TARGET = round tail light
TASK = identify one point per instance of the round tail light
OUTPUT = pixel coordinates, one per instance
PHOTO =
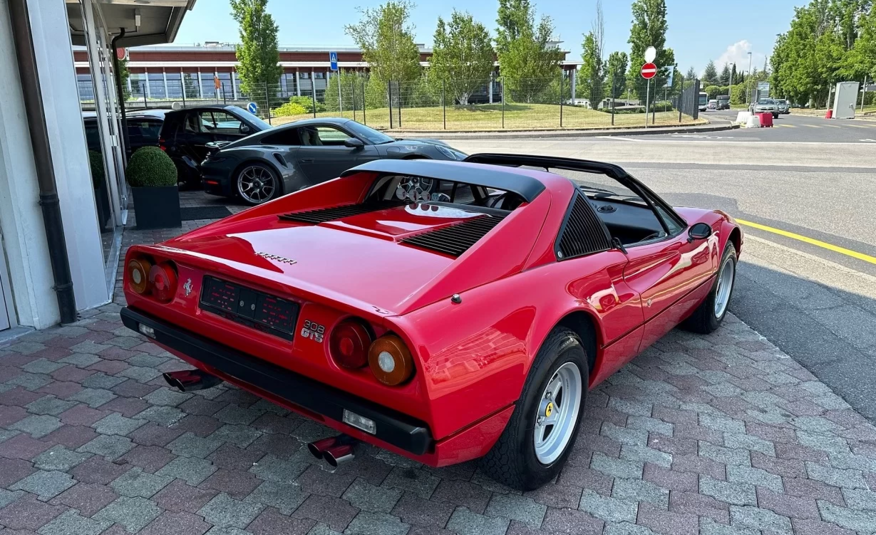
(349, 344)
(162, 280)
(138, 274)
(390, 360)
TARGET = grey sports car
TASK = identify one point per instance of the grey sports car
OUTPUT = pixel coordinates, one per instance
(282, 160)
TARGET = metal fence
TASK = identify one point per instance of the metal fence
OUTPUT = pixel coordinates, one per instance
(425, 104)
(689, 101)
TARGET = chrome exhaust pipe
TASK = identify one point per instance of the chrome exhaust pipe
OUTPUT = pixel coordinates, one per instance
(319, 447)
(190, 380)
(339, 454)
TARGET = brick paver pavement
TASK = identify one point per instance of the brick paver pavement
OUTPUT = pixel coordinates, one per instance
(721, 434)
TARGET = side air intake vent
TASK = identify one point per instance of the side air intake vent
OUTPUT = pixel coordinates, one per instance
(456, 239)
(334, 213)
(583, 232)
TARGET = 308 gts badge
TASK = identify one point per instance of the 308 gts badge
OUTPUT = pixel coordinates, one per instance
(313, 331)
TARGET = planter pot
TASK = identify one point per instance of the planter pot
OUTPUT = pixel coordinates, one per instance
(103, 207)
(157, 207)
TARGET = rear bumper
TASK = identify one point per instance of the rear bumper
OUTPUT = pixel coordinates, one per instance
(392, 427)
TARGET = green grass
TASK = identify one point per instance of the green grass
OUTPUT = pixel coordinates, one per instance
(487, 117)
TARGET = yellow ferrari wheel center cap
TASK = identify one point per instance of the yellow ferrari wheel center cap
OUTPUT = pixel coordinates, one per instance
(549, 410)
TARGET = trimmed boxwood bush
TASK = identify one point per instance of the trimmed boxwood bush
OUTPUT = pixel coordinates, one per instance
(95, 160)
(151, 167)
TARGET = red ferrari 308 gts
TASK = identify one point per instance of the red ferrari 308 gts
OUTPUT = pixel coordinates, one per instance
(445, 311)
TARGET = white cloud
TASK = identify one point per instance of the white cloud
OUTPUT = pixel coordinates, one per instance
(738, 53)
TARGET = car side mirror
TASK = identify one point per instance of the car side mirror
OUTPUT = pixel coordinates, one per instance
(700, 231)
(245, 129)
(353, 143)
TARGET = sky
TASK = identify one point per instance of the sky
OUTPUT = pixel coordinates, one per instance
(697, 32)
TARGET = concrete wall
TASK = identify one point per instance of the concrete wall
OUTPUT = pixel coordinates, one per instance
(24, 237)
(54, 52)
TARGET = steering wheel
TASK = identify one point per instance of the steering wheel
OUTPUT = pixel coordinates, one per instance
(497, 200)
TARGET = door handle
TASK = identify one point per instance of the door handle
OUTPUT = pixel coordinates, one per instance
(306, 161)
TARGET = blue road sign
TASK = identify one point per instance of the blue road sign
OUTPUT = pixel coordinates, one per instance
(252, 107)
(333, 58)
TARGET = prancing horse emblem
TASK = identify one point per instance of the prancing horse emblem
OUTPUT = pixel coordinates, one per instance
(188, 287)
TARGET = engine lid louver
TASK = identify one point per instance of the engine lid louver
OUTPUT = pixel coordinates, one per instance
(456, 239)
(334, 213)
(583, 232)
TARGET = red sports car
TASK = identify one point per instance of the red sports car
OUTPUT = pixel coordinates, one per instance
(467, 321)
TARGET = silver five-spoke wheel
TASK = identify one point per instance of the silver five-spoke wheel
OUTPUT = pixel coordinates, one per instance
(725, 287)
(256, 184)
(557, 413)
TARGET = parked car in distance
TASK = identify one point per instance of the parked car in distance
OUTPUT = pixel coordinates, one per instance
(287, 158)
(723, 102)
(783, 106)
(187, 133)
(445, 328)
(712, 105)
(765, 105)
(143, 128)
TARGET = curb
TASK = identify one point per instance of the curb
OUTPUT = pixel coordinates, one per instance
(621, 131)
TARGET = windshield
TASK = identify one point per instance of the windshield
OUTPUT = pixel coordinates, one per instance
(704, 98)
(368, 134)
(765, 101)
(254, 119)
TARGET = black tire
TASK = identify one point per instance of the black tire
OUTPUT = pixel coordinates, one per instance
(704, 320)
(512, 461)
(264, 171)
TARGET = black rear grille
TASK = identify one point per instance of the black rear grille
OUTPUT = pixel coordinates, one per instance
(583, 232)
(334, 213)
(456, 239)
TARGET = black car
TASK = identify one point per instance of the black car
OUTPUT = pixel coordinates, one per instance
(143, 129)
(290, 157)
(187, 133)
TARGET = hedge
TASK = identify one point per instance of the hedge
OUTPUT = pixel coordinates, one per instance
(151, 167)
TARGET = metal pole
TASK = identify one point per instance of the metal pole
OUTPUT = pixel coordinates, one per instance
(145, 104)
(647, 98)
(561, 97)
(313, 92)
(182, 79)
(340, 101)
(399, 104)
(353, 94)
(611, 92)
(389, 86)
(364, 103)
(654, 104)
(444, 102)
(503, 101)
(224, 98)
(680, 100)
(863, 92)
(267, 103)
(42, 155)
(121, 93)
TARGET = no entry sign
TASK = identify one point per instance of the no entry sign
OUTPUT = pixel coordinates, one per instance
(649, 70)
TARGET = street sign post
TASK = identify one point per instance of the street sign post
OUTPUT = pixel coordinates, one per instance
(649, 70)
(333, 59)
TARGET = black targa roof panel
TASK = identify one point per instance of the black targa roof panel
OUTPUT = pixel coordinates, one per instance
(488, 176)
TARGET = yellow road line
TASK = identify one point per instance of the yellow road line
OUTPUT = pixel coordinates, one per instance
(811, 241)
(858, 126)
(787, 126)
(812, 125)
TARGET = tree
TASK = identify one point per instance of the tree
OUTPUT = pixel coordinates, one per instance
(258, 59)
(710, 75)
(617, 70)
(386, 38)
(734, 77)
(724, 78)
(649, 29)
(462, 58)
(123, 76)
(528, 56)
(593, 68)
(691, 74)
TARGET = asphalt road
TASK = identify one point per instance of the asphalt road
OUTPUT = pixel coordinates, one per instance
(813, 178)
